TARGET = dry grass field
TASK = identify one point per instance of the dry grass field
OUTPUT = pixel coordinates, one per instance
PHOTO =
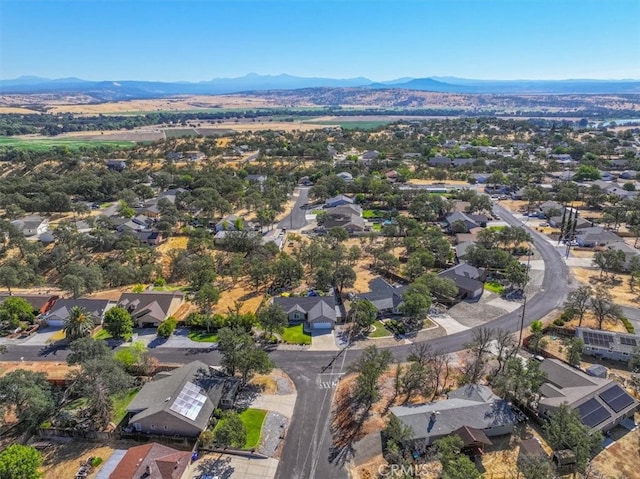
(620, 290)
(53, 370)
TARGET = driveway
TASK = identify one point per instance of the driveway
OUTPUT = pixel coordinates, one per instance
(42, 337)
(323, 341)
(225, 466)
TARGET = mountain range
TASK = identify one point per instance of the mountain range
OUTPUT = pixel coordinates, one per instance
(120, 90)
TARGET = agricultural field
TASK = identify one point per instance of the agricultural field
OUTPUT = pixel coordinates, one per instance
(73, 144)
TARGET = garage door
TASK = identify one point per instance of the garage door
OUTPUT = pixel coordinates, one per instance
(327, 325)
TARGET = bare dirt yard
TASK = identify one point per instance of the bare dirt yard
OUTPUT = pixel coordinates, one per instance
(619, 287)
(241, 293)
(53, 370)
(622, 459)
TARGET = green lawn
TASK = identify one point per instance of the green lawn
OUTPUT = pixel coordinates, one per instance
(102, 334)
(376, 227)
(120, 403)
(253, 420)
(380, 331)
(368, 214)
(203, 336)
(295, 335)
(46, 144)
(494, 287)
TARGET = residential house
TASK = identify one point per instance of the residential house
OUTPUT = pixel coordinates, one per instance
(148, 310)
(385, 297)
(41, 303)
(195, 155)
(628, 175)
(276, 236)
(608, 344)
(462, 250)
(353, 223)
(596, 236)
(345, 176)
(408, 156)
(59, 312)
(31, 225)
(231, 223)
(565, 175)
(629, 253)
(470, 221)
(339, 200)
(180, 402)
(260, 180)
(440, 161)
(151, 461)
(457, 162)
(606, 176)
(371, 155)
(314, 312)
(471, 236)
(601, 403)
(137, 223)
(345, 210)
(581, 223)
(473, 410)
(220, 238)
(116, 165)
(150, 237)
(551, 208)
(468, 279)
(174, 155)
(481, 178)
(392, 176)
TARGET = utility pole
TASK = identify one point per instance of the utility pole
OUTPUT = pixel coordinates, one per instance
(524, 296)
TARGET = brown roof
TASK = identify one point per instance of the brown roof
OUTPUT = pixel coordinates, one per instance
(471, 436)
(531, 447)
(164, 463)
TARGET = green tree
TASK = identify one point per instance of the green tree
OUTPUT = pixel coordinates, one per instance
(603, 306)
(9, 277)
(20, 462)
(587, 172)
(232, 342)
(272, 319)
(28, 395)
(136, 359)
(206, 298)
(369, 367)
(578, 300)
(344, 276)
(231, 432)
(535, 467)
(16, 310)
(118, 323)
(253, 360)
(79, 324)
(362, 314)
(85, 349)
(564, 430)
(574, 351)
(517, 274)
(416, 302)
(167, 327)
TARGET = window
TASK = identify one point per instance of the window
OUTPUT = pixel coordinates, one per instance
(165, 427)
(137, 426)
(153, 426)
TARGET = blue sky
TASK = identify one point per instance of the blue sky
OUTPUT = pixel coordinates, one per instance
(197, 40)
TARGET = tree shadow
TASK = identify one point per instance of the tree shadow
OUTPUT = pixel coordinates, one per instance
(246, 396)
(156, 342)
(220, 467)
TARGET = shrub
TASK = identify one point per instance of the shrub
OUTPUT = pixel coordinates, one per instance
(160, 282)
(559, 321)
(167, 327)
(218, 413)
(96, 461)
(628, 325)
(138, 288)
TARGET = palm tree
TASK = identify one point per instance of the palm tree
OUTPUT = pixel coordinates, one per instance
(79, 324)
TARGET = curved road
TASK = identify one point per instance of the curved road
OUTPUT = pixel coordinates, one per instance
(306, 452)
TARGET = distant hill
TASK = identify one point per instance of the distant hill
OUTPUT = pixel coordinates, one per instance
(126, 89)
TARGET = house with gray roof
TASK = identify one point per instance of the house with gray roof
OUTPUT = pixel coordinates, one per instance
(551, 208)
(608, 344)
(470, 221)
(581, 223)
(463, 248)
(96, 308)
(180, 402)
(442, 161)
(601, 403)
(596, 236)
(314, 312)
(31, 225)
(468, 279)
(345, 176)
(338, 201)
(150, 309)
(472, 406)
(385, 297)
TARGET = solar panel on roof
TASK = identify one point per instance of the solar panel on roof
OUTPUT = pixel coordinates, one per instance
(588, 407)
(596, 417)
(597, 339)
(617, 398)
(628, 341)
(189, 402)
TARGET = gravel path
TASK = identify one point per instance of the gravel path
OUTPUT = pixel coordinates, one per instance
(273, 431)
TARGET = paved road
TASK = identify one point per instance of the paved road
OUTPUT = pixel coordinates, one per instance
(296, 219)
(315, 374)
